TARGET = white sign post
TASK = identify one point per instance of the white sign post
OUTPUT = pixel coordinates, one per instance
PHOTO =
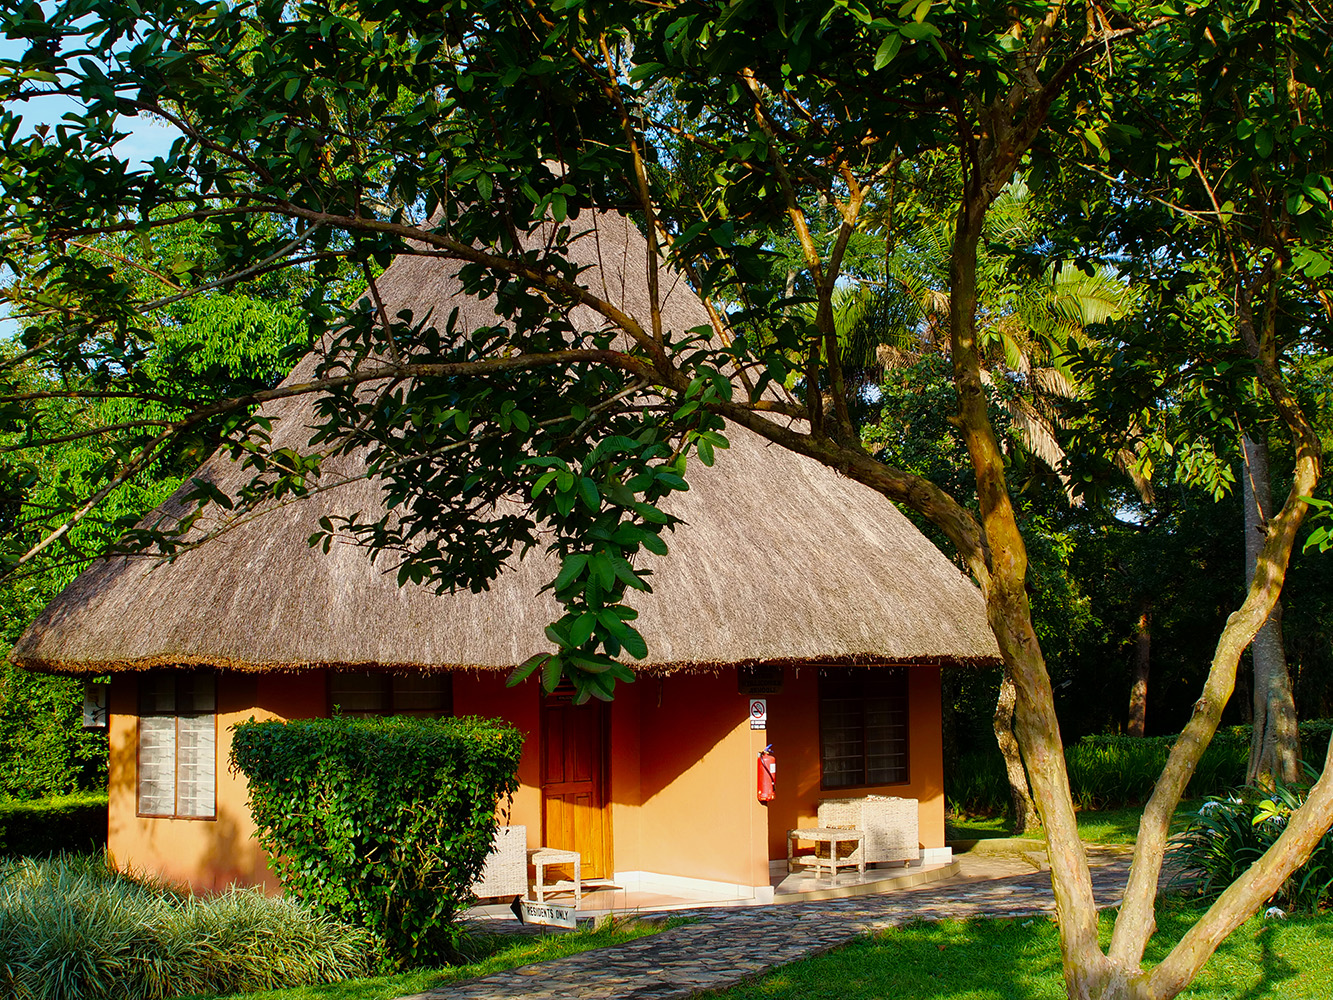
(758, 713)
(547, 913)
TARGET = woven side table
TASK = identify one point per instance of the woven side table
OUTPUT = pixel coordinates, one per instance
(543, 856)
(827, 835)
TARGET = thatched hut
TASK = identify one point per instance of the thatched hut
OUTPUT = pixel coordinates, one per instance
(786, 582)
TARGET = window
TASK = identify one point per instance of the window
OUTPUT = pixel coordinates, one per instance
(178, 745)
(378, 693)
(863, 727)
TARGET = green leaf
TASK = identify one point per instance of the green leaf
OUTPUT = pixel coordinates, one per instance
(601, 567)
(918, 31)
(650, 513)
(569, 570)
(628, 635)
(627, 576)
(655, 545)
(592, 499)
(644, 70)
(888, 48)
(581, 631)
(551, 674)
(542, 482)
(525, 669)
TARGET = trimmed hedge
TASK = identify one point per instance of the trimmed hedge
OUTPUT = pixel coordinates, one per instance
(70, 823)
(382, 822)
(1110, 771)
(44, 749)
(74, 928)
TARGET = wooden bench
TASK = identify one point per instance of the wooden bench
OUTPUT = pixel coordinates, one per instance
(832, 837)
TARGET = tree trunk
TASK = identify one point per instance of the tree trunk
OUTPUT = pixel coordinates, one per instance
(1090, 973)
(1025, 813)
(1138, 692)
(1010, 615)
(1275, 745)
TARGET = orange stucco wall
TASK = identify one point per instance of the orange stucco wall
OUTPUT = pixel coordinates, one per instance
(793, 729)
(208, 854)
(680, 773)
(698, 815)
(484, 693)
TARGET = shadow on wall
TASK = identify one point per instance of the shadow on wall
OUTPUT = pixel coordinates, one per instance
(207, 854)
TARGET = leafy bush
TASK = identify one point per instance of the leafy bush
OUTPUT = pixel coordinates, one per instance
(382, 822)
(1110, 771)
(1231, 832)
(74, 823)
(44, 749)
(976, 784)
(73, 928)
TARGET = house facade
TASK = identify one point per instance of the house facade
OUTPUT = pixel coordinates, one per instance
(658, 784)
(785, 582)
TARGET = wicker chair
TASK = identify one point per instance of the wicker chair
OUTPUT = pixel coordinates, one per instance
(506, 870)
(890, 825)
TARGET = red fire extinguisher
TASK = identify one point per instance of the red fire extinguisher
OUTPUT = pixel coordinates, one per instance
(768, 774)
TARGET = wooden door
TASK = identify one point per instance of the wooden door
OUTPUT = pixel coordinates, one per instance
(574, 801)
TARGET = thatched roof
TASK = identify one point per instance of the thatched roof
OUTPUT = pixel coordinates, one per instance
(780, 559)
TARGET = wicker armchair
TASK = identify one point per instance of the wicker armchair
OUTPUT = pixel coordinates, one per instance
(890, 825)
(506, 870)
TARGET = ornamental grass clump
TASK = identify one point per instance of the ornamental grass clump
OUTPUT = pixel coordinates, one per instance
(1232, 831)
(382, 822)
(75, 928)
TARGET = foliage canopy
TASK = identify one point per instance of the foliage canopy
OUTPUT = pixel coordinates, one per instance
(749, 141)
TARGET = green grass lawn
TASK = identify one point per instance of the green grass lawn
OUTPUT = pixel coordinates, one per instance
(1020, 960)
(498, 951)
(1102, 826)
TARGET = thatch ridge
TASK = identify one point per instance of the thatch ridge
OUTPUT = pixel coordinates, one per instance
(780, 559)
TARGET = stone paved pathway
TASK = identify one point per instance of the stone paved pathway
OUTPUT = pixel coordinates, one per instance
(727, 946)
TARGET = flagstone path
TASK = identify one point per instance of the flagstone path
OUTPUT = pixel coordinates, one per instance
(725, 946)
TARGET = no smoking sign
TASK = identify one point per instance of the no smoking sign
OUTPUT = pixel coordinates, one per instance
(758, 713)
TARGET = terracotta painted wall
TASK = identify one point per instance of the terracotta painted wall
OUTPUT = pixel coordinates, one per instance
(207, 854)
(698, 814)
(480, 692)
(681, 773)
(626, 779)
(794, 733)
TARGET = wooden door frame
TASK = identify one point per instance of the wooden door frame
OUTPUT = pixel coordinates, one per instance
(604, 769)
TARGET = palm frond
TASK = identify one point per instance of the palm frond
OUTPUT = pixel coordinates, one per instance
(868, 316)
(1062, 307)
(1052, 382)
